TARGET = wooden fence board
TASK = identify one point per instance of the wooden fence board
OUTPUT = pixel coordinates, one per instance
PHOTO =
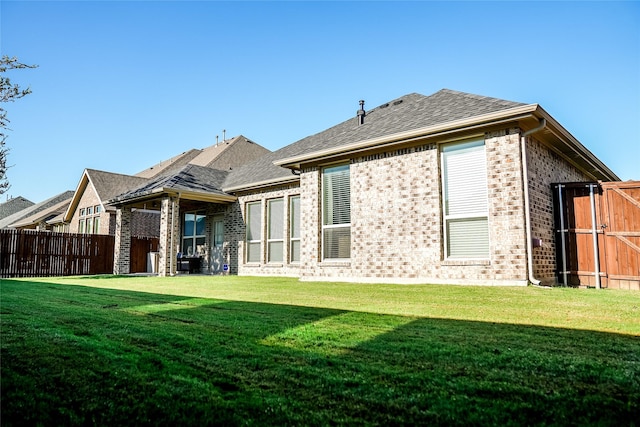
(29, 253)
(617, 212)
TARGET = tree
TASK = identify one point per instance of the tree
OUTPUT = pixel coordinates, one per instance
(9, 92)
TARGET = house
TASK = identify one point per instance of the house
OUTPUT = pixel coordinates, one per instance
(447, 188)
(88, 213)
(42, 220)
(13, 205)
(32, 211)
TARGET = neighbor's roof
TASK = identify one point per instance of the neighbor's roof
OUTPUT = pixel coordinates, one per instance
(191, 182)
(13, 205)
(166, 166)
(43, 215)
(106, 185)
(410, 117)
(31, 210)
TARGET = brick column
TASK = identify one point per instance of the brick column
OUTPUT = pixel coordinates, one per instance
(170, 238)
(122, 255)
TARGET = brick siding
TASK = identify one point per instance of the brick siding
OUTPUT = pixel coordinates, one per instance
(545, 168)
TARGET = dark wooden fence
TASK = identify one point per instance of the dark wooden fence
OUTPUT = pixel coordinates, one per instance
(28, 253)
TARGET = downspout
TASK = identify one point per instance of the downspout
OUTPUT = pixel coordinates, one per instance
(527, 211)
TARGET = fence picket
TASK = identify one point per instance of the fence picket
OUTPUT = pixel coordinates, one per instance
(29, 253)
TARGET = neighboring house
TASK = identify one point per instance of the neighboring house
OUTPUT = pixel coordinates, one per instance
(88, 213)
(41, 220)
(13, 205)
(446, 188)
(33, 210)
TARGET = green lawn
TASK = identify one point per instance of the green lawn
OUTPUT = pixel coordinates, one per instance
(271, 351)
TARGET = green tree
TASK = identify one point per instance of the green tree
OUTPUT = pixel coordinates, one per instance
(9, 92)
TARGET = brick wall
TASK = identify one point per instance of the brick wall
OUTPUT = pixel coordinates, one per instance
(122, 247)
(545, 168)
(396, 219)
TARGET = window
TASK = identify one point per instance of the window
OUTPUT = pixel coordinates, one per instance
(82, 212)
(294, 225)
(336, 212)
(81, 226)
(253, 211)
(464, 186)
(97, 209)
(193, 235)
(89, 226)
(275, 231)
(90, 210)
(96, 225)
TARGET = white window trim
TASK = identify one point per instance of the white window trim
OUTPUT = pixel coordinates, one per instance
(246, 238)
(294, 239)
(269, 239)
(446, 218)
(332, 226)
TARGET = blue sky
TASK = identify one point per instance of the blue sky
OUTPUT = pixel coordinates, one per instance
(122, 85)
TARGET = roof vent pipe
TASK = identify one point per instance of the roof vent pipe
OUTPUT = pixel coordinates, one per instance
(224, 135)
(361, 113)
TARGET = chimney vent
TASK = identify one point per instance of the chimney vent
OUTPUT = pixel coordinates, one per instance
(361, 113)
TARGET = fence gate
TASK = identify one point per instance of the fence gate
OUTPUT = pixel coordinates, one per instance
(141, 247)
(598, 234)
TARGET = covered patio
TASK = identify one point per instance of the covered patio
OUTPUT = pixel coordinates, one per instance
(194, 222)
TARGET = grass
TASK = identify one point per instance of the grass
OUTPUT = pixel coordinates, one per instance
(275, 351)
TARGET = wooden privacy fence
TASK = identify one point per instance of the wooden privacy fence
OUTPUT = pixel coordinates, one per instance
(598, 234)
(29, 253)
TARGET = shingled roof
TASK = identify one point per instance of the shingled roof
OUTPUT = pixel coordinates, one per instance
(412, 111)
(192, 181)
(13, 205)
(34, 209)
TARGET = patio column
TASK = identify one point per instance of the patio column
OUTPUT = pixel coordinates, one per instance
(169, 236)
(122, 247)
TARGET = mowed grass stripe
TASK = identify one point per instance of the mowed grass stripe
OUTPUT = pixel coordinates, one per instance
(249, 351)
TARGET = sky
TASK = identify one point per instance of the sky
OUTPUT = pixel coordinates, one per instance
(122, 85)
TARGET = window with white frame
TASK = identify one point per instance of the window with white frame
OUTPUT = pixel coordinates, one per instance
(465, 203)
(336, 212)
(253, 214)
(275, 230)
(294, 229)
(193, 234)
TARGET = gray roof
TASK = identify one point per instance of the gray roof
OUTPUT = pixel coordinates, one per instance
(14, 205)
(32, 210)
(409, 112)
(109, 185)
(173, 164)
(45, 214)
(190, 178)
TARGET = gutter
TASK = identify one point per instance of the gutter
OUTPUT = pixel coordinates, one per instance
(527, 212)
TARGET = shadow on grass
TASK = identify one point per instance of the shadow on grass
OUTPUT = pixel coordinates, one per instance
(75, 356)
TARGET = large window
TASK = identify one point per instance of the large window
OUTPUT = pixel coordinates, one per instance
(336, 212)
(193, 235)
(253, 213)
(464, 184)
(294, 229)
(275, 236)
